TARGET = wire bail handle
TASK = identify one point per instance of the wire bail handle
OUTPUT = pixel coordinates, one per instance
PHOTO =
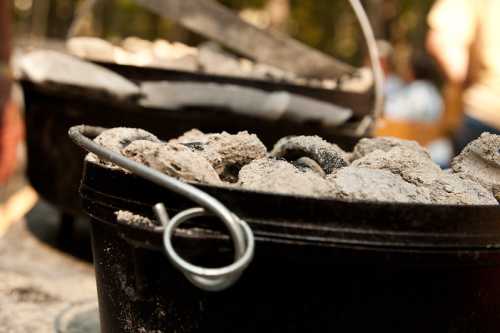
(376, 67)
(209, 279)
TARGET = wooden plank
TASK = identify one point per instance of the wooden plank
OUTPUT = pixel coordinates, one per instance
(212, 20)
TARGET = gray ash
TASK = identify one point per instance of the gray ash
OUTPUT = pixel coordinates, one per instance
(199, 146)
(127, 217)
(382, 169)
(278, 176)
(173, 159)
(480, 162)
(367, 146)
(358, 183)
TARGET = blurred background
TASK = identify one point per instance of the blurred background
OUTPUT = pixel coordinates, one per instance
(422, 103)
(441, 89)
(327, 25)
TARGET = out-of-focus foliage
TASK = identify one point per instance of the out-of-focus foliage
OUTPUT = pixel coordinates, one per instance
(328, 25)
(241, 4)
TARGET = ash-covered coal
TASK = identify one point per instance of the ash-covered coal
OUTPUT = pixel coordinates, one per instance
(194, 135)
(480, 162)
(416, 167)
(279, 176)
(173, 159)
(227, 153)
(367, 146)
(413, 166)
(306, 163)
(358, 183)
(451, 189)
(328, 155)
(118, 138)
(208, 58)
(382, 169)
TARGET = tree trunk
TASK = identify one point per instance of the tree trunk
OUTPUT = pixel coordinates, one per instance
(39, 22)
(83, 24)
(5, 32)
(374, 9)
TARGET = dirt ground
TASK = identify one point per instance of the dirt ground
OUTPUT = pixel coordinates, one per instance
(38, 282)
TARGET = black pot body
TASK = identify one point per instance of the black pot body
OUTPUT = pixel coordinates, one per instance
(293, 284)
(139, 290)
(54, 161)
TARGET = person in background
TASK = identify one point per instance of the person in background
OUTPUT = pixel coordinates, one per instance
(418, 102)
(419, 99)
(464, 37)
(393, 82)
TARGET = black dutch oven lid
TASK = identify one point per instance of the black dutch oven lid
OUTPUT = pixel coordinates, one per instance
(359, 102)
(305, 220)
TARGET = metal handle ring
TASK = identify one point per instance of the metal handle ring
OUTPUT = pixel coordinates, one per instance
(210, 279)
(240, 232)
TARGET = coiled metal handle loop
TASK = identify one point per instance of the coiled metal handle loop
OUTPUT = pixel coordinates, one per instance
(210, 279)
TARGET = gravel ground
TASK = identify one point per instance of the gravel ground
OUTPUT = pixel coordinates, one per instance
(38, 282)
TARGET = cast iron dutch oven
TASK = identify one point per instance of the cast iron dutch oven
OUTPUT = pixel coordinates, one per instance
(54, 163)
(320, 265)
(54, 166)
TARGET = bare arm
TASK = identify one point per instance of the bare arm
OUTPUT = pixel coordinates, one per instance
(452, 56)
(452, 30)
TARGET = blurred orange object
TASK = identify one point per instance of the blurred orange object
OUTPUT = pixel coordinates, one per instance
(453, 115)
(11, 134)
(423, 133)
(11, 130)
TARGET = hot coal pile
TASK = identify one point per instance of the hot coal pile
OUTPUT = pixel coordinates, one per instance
(207, 58)
(380, 169)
